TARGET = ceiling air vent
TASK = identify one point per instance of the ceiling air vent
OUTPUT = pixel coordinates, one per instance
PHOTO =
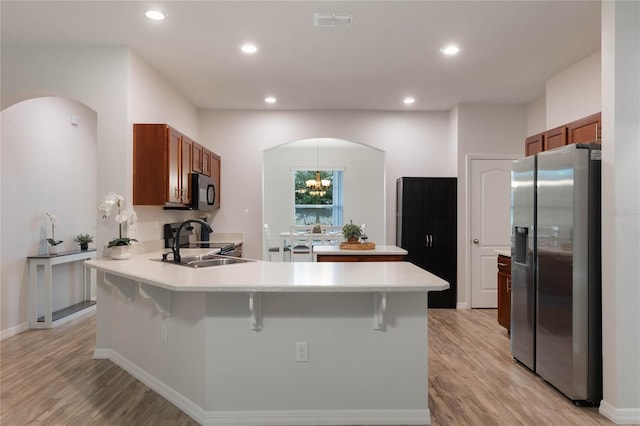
(341, 20)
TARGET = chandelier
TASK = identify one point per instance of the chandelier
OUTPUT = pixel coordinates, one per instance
(318, 187)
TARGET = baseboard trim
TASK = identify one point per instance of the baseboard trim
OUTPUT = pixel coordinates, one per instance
(462, 305)
(266, 417)
(167, 392)
(316, 417)
(100, 353)
(12, 331)
(620, 416)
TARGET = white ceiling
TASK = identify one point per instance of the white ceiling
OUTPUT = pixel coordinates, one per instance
(508, 48)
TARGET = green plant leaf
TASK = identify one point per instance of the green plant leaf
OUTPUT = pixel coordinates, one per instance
(121, 242)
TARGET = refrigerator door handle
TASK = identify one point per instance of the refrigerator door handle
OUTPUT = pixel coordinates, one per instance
(428, 240)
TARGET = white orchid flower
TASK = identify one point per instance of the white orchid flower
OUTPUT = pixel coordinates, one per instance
(53, 219)
(124, 215)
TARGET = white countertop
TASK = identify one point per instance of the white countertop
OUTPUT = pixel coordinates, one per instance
(505, 252)
(378, 250)
(274, 276)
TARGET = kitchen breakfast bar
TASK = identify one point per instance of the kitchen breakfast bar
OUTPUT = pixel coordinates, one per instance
(271, 343)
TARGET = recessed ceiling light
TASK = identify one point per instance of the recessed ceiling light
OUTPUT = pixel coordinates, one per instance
(451, 49)
(270, 100)
(155, 15)
(249, 48)
(409, 100)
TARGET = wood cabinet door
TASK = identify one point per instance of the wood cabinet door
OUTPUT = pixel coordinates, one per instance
(585, 130)
(216, 174)
(206, 162)
(150, 163)
(504, 300)
(555, 138)
(504, 291)
(174, 146)
(197, 158)
(533, 144)
(186, 148)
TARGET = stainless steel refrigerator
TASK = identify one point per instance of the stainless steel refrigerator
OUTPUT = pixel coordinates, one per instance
(556, 269)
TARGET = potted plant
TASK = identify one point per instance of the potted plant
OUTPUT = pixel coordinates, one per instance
(351, 232)
(53, 249)
(84, 240)
(120, 246)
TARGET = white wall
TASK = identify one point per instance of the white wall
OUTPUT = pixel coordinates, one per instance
(574, 93)
(537, 116)
(621, 211)
(416, 144)
(96, 77)
(482, 129)
(48, 165)
(364, 182)
(152, 100)
(101, 78)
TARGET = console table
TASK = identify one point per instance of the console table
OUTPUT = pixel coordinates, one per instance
(48, 318)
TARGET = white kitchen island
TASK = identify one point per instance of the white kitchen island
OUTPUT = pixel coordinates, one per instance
(224, 343)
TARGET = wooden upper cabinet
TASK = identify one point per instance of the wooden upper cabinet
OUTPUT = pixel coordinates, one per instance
(173, 193)
(586, 130)
(163, 160)
(533, 144)
(206, 162)
(555, 138)
(215, 175)
(198, 158)
(161, 166)
(186, 157)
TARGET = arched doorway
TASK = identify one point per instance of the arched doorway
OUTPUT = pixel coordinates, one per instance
(363, 183)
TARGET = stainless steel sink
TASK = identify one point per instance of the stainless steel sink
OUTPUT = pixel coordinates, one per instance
(206, 260)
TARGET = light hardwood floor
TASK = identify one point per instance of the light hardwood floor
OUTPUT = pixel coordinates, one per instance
(49, 377)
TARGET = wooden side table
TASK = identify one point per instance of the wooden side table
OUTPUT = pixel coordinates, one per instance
(48, 318)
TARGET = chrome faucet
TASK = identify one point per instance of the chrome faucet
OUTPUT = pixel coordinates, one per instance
(176, 241)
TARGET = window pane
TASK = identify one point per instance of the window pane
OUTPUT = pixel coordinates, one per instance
(319, 203)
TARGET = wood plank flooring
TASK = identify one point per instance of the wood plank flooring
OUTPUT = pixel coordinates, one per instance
(49, 377)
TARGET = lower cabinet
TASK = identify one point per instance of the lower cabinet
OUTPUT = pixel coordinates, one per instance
(360, 258)
(504, 291)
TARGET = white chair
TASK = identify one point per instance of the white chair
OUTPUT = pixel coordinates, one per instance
(283, 252)
(329, 231)
(301, 242)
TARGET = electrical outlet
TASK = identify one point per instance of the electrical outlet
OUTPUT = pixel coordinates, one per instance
(165, 334)
(302, 352)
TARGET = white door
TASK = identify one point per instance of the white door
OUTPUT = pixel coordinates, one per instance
(490, 225)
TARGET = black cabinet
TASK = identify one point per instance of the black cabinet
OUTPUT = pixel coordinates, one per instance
(426, 225)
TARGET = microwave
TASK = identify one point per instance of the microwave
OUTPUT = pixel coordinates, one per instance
(203, 192)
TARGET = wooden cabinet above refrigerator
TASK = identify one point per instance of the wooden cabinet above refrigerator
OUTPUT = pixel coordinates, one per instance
(584, 130)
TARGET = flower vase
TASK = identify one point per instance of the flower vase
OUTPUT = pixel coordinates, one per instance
(121, 252)
(84, 246)
(53, 249)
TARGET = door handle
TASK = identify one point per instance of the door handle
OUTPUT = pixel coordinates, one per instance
(428, 240)
(476, 241)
